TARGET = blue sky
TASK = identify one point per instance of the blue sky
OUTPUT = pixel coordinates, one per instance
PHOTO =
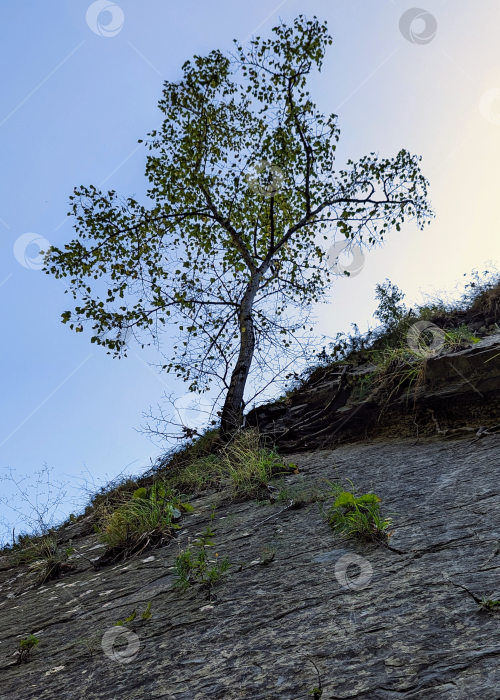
(73, 105)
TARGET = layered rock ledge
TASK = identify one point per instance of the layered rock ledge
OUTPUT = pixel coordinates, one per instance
(456, 394)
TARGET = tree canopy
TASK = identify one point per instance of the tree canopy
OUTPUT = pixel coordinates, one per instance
(243, 194)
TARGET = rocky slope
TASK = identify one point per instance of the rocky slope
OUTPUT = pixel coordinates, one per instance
(355, 621)
(404, 625)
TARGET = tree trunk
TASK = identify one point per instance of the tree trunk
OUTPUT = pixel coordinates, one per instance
(232, 412)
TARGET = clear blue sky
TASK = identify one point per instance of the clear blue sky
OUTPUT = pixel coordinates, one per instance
(73, 105)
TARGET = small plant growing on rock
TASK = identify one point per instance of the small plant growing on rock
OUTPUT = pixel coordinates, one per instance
(25, 648)
(147, 613)
(317, 691)
(488, 604)
(145, 616)
(358, 517)
(302, 493)
(246, 465)
(130, 618)
(45, 559)
(194, 567)
(145, 520)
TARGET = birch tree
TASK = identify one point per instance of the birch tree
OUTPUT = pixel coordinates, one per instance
(230, 245)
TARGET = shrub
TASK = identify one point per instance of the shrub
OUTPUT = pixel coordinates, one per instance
(386, 344)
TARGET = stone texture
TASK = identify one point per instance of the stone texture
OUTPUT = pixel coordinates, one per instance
(415, 631)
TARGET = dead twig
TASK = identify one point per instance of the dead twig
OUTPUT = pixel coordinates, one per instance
(416, 424)
(274, 515)
(82, 556)
(316, 692)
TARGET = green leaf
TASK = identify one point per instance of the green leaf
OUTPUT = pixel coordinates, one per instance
(192, 251)
(140, 493)
(368, 498)
(187, 507)
(345, 500)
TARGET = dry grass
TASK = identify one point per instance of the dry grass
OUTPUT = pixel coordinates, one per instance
(131, 522)
(401, 366)
(245, 465)
(46, 561)
(142, 521)
(475, 312)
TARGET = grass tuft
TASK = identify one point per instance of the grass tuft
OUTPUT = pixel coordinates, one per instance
(45, 559)
(489, 604)
(245, 464)
(145, 520)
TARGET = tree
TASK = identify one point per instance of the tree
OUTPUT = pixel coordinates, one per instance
(243, 193)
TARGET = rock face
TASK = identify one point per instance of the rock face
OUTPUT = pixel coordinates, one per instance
(456, 393)
(405, 624)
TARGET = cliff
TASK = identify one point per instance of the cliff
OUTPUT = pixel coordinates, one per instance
(303, 612)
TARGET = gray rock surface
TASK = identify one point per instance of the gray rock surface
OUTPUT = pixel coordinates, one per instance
(413, 630)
